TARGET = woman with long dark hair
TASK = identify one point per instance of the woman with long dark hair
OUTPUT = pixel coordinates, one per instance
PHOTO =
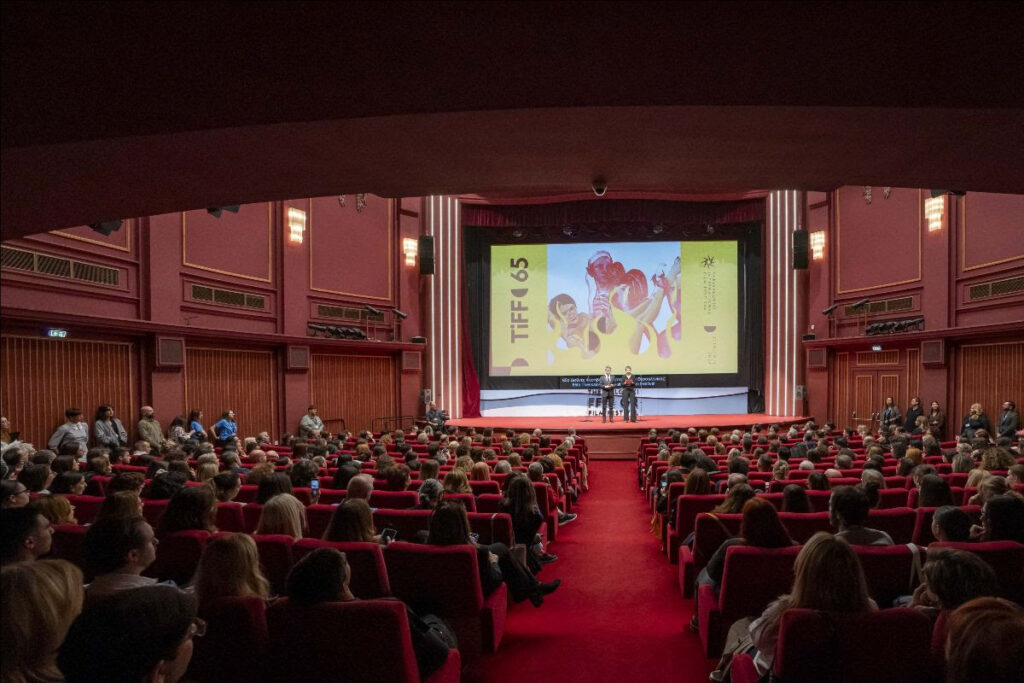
(195, 425)
(520, 502)
(107, 430)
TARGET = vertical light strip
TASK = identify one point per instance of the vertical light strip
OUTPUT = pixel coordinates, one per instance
(796, 307)
(433, 305)
(457, 227)
(446, 308)
(771, 322)
(450, 267)
(786, 268)
(778, 298)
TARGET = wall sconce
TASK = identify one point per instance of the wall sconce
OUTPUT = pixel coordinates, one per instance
(934, 209)
(409, 248)
(296, 225)
(817, 242)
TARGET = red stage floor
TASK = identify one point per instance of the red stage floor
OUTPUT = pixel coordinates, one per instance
(594, 424)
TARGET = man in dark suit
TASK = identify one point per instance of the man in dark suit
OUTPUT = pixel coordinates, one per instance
(913, 412)
(629, 395)
(1009, 421)
(607, 395)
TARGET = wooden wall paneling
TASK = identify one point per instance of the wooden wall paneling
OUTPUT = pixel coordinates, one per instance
(864, 397)
(42, 378)
(840, 408)
(989, 374)
(889, 385)
(354, 388)
(913, 383)
(217, 380)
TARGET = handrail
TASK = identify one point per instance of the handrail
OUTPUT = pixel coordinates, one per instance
(390, 420)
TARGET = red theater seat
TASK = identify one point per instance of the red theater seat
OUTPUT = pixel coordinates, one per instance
(177, 556)
(488, 502)
(830, 646)
(709, 533)
(802, 525)
(230, 517)
(889, 570)
(405, 522)
(152, 510)
(366, 640)
(752, 579)
(478, 621)
(67, 544)
(369, 576)
(87, 507)
(493, 528)
(467, 500)
(319, 518)
(687, 509)
(393, 500)
(275, 558)
(233, 626)
(251, 514)
(897, 522)
(484, 487)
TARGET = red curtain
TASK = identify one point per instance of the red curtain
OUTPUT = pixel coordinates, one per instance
(470, 380)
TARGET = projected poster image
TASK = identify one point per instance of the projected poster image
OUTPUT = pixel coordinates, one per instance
(570, 309)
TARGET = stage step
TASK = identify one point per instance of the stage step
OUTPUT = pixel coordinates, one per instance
(611, 446)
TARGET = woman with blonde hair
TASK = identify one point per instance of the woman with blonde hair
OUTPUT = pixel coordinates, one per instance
(456, 482)
(283, 514)
(976, 476)
(973, 422)
(480, 472)
(207, 471)
(40, 600)
(989, 487)
(58, 509)
(515, 460)
(230, 568)
(463, 464)
(828, 578)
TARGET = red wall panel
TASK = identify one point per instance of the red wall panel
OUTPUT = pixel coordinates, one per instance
(352, 251)
(217, 380)
(877, 245)
(236, 245)
(991, 230)
(354, 388)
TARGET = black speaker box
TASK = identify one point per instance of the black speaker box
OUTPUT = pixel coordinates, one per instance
(426, 254)
(800, 249)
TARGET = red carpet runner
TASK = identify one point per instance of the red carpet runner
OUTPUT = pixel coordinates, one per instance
(618, 615)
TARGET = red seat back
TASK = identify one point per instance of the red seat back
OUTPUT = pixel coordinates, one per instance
(275, 558)
(393, 500)
(492, 527)
(753, 578)
(229, 517)
(87, 507)
(319, 518)
(414, 572)
(688, 507)
(247, 493)
(251, 513)
(366, 640)
(820, 646)
(405, 522)
(152, 510)
(233, 625)
(466, 499)
(897, 522)
(892, 498)
(484, 487)
(711, 529)
(488, 502)
(67, 545)
(369, 576)
(889, 570)
(177, 556)
(802, 525)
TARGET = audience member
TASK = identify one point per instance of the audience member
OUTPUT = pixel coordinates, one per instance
(848, 510)
(953, 577)
(25, 535)
(13, 494)
(429, 495)
(360, 487)
(985, 642)
(143, 634)
(191, 508)
(795, 499)
(951, 524)
(934, 492)
(57, 509)
(229, 568)
(351, 522)
(283, 514)
(40, 600)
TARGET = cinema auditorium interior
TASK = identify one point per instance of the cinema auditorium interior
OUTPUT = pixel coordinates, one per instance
(487, 342)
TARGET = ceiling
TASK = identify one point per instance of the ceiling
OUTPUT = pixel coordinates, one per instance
(114, 109)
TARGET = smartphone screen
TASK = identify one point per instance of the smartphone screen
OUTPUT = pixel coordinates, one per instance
(474, 537)
(389, 534)
(315, 485)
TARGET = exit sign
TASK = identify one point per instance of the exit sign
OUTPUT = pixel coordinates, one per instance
(55, 333)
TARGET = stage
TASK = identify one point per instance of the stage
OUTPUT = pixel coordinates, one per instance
(614, 440)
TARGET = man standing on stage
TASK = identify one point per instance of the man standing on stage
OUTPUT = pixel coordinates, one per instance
(629, 395)
(608, 395)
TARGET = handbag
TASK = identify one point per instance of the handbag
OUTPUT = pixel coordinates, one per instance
(431, 640)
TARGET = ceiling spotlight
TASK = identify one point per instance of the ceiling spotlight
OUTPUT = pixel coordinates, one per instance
(658, 228)
(400, 314)
(569, 230)
(826, 311)
(370, 309)
(314, 328)
(710, 229)
(218, 210)
(106, 227)
(518, 234)
(861, 303)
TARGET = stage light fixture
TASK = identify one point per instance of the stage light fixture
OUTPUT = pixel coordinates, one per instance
(658, 229)
(218, 210)
(861, 304)
(401, 314)
(370, 309)
(829, 309)
(105, 228)
(314, 328)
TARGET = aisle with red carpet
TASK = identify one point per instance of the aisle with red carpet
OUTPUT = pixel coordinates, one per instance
(618, 615)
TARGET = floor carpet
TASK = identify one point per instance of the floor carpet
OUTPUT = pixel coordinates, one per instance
(618, 615)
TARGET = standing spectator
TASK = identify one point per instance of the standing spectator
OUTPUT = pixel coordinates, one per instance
(149, 428)
(144, 634)
(5, 432)
(1009, 421)
(74, 431)
(225, 430)
(913, 412)
(311, 426)
(25, 535)
(195, 426)
(40, 600)
(180, 432)
(936, 421)
(107, 430)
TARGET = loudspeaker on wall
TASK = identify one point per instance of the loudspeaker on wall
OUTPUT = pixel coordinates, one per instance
(800, 249)
(426, 254)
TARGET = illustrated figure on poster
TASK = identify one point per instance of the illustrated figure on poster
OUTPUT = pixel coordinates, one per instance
(608, 395)
(628, 385)
(573, 326)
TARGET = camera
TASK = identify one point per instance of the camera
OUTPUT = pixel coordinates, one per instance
(599, 186)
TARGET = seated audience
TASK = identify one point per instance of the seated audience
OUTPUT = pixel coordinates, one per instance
(817, 481)
(229, 568)
(191, 508)
(116, 551)
(934, 492)
(143, 634)
(520, 503)
(13, 494)
(352, 521)
(848, 510)
(795, 499)
(985, 642)
(397, 478)
(429, 495)
(25, 535)
(456, 482)
(989, 488)
(283, 514)
(226, 486)
(1002, 519)
(271, 486)
(950, 524)
(735, 499)
(952, 577)
(57, 509)
(449, 525)
(360, 487)
(40, 600)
